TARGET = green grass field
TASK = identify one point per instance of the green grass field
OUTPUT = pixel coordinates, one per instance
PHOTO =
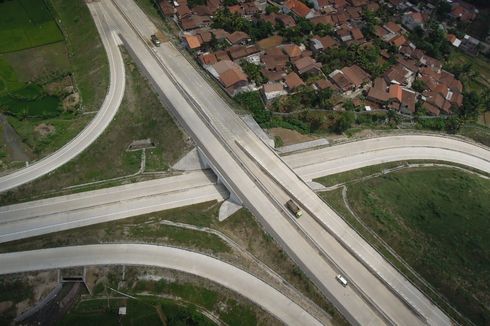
(26, 24)
(86, 51)
(8, 77)
(140, 116)
(437, 219)
(139, 312)
(480, 65)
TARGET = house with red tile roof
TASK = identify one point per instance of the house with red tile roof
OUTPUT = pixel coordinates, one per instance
(323, 19)
(412, 20)
(192, 42)
(318, 43)
(286, 20)
(298, 8)
(356, 75)
(238, 37)
(307, 66)
(230, 75)
(293, 81)
(341, 81)
(194, 22)
(325, 84)
(378, 93)
(358, 3)
(463, 12)
(273, 90)
(292, 51)
(166, 8)
(208, 59)
(183, 12)
(398, 74)
(270, 42)
(392, 27)
(398, 40)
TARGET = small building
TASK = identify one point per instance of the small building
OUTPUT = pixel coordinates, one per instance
(412, 20)
(192, 42)
(293, 81)
(298, 8)
(356, 75)
(292, 51)
(378, 92)
(318, 44)
(307, 66)
(230, 75)
(271, 91)
(456, 42)
(270, 42)
(341, 81)
(238, 37)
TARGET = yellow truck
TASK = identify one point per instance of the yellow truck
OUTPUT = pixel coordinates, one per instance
(291, 205)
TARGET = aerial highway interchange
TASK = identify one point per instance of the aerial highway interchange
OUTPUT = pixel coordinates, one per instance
(245, 169)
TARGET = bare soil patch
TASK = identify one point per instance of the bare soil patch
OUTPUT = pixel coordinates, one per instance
(44, 129)
(71, 102)
(60, 87)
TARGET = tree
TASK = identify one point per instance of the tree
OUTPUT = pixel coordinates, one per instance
(253, 72)
(453, 124)
(443, 8)
(323, 99)
(344, 122)
(228, 3)
(271, 9)
(419, 85)
(471, 106)
(349, 105)
(322, 29)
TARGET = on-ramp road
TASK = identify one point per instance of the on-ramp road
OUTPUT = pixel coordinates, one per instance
(67, 212)
(345, 157)
(204, 266)
(93, 130)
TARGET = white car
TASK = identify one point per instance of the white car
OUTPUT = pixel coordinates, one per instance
(342, 280)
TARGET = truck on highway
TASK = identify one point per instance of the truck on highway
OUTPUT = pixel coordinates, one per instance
(155, 40)
(291, 205)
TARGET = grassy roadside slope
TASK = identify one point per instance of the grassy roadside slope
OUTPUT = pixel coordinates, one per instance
(437, 220)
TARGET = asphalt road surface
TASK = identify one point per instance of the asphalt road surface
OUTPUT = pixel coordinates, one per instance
(67, 212)
(92, 131)
(204, 266)
(340, 158)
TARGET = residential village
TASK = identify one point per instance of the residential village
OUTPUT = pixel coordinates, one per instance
(329, 54)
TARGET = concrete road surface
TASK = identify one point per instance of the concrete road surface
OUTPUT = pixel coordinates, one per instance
(92, 131)
(193, 113)
(66, 212)
(320, 242)
(340, 158)
(204, 266)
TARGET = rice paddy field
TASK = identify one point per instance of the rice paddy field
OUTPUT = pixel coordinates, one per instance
(26, 24)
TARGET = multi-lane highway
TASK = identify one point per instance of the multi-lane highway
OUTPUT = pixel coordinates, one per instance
(67, 212)
(320, 242)
(324, 244)
(340, 158)
(204, 266)
(93, 130)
